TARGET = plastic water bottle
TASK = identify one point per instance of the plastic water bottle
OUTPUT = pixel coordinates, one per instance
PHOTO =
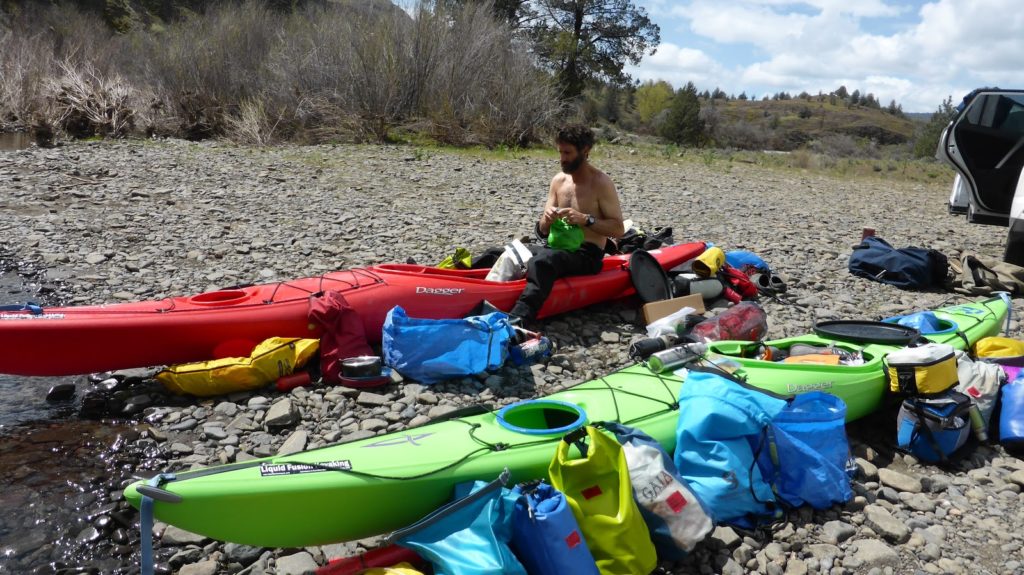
(530, 351)
(643, 348)
(978, 423)
(674, 357)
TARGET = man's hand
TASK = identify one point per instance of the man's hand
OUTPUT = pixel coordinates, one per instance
(572, 216)
(550, 215)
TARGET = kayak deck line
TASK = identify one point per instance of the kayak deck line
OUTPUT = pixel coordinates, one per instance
(485, 447)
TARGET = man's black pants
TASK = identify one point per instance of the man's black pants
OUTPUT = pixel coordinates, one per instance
(547, 266)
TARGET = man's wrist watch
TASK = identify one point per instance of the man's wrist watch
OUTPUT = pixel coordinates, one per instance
(591, 220)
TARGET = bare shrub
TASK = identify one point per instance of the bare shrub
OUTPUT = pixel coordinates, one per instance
(485, 86)
(38, 38)
(252, 124)
(742, 135)
(837, 146)
(84, 103)
(207, 65)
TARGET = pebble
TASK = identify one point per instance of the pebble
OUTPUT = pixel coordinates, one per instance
(210, 238)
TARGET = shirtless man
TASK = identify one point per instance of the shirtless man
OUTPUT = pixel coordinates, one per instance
(581, 195)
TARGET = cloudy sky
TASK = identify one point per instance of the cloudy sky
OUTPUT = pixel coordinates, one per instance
(914, 51)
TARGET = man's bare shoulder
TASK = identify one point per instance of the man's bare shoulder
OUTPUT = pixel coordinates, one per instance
(559, 178)
(602, 181)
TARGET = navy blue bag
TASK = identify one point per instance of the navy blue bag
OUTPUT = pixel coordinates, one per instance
(908, 268)
(433, 350)
(545, 534)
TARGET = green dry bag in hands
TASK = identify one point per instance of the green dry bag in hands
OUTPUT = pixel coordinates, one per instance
(598, 490)
(565, 236)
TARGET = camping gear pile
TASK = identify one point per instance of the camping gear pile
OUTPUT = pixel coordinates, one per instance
(614, 501)
(377, 484)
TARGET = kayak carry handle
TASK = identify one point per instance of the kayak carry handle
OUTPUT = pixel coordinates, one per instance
(158, 494)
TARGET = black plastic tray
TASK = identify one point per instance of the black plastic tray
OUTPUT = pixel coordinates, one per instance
(649, 278)
(861, 331)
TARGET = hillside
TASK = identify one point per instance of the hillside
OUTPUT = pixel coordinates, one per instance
(796, 122)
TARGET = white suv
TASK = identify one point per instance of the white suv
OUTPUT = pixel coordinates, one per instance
(985, 145)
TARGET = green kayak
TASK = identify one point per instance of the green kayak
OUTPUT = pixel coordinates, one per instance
(372, 486)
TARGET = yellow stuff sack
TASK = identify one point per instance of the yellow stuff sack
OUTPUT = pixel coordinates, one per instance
(998, 347)
(400, 569)
(923, 370)
(598, 490)
(271, 359)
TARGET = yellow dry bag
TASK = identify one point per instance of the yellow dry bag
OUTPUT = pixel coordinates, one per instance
(271, 359)
(998, 347)
(598, 490)
(709, 263)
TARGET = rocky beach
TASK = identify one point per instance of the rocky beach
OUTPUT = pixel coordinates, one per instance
(104, 222)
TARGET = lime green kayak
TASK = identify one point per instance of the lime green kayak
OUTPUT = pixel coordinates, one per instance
(372, 486)
(861, 387)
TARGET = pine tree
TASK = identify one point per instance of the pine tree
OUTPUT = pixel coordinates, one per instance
(683, 125)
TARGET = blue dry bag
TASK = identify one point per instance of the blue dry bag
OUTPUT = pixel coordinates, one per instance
(545, 534)
(810, 462)
(1011, 414)
(722, 428)
(742, 258)
(925, 322)
(433, 350)
(469, 536)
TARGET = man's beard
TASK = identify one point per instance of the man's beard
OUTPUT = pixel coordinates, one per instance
(571, 167)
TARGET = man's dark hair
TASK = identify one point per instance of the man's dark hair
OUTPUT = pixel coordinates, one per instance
(577, 135)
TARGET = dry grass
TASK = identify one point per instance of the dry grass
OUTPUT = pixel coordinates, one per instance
(245, 72)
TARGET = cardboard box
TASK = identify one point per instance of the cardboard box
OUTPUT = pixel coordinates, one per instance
(659, 309)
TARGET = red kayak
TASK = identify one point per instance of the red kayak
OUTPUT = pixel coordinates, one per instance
(230, 322)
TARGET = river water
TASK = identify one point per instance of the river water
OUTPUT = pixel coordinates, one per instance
(14, 140)
(60, 474)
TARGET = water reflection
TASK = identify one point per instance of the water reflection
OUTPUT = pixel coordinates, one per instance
(14, 140)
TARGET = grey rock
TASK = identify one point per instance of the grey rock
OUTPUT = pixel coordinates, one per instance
(919, 502)
(796, 567)
(872, 553)
(866, 469)
(899, 481)
(177, 536)
(883, 523)
(836, 532)
(372, 399)
(282, 414)
(201, 568)
(300, 563)
(725, 536)
(295, 443)
(732, 568)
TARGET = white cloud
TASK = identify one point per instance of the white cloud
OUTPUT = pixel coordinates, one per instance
(679, 66)
(946, 47)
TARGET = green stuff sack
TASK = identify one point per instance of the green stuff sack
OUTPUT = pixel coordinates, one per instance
(273, 358)
(461, 259)
(599, 492)
(565, 236)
